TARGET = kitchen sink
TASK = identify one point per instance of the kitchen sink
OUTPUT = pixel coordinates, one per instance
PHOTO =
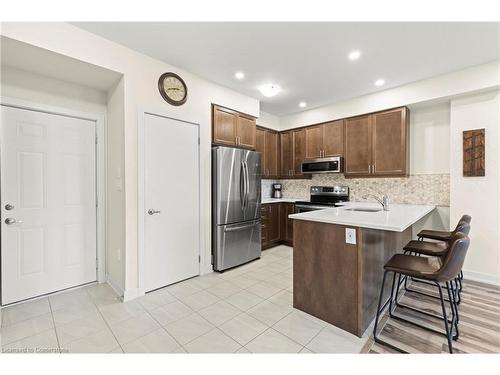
(364, 209)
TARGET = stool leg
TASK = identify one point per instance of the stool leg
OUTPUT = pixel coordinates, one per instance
(392, 293)
(453, 306)
(379, 311)
(379, 306)
(445, 317)
(458, 284)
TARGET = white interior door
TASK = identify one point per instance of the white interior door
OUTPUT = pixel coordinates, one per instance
(171, 227)
(48, 198)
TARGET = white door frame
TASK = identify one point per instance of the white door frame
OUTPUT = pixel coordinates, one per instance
(100, 167)
(141, 209)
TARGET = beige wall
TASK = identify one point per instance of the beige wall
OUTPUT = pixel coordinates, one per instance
(269, 121)
(472, 79)
(49, 91)
(478, 196)
(115, 196)
(140, 92)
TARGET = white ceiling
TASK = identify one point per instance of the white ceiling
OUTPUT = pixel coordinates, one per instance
(50, 64)
(309, 60)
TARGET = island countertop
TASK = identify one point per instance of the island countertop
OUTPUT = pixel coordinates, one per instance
(397, 219)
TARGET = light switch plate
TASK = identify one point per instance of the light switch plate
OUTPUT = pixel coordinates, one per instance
(350, 236)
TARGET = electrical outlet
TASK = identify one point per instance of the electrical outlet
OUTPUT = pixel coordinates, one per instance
(350, 236)
(119, 254)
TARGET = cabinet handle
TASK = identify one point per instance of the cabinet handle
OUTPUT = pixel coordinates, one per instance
(369, 169)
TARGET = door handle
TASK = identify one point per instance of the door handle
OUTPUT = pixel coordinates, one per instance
(11, 220)
(9, 206)
(247, 187)
(152, 211)
(243, 185)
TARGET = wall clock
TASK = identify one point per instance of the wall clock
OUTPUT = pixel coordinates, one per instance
(172, 88)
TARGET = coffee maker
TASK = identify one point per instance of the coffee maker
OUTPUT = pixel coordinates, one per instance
(277, 191)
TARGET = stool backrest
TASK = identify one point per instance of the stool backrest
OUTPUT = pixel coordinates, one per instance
(454, 259)
(466, 218)
(462, 227)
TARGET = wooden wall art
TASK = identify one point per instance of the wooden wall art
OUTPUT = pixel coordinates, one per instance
(474, 157)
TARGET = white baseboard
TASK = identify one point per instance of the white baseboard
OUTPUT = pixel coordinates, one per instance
(482, 278)
(118, 289)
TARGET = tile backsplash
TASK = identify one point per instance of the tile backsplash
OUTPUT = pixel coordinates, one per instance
(415, 189)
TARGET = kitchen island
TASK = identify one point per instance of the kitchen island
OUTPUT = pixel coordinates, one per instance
(338, 259)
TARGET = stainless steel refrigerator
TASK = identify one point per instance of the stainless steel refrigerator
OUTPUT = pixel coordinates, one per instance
(236, 190)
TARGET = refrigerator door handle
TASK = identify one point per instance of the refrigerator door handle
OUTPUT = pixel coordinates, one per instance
(241, 227)
(242, 185)
(247, 185)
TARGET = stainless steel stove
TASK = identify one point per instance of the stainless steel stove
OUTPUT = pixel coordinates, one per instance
(323, 197)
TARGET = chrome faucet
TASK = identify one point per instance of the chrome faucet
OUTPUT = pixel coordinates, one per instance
(384, 201)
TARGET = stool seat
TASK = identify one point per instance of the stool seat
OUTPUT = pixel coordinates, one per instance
(421, 267)
(436, 249)
(435, 235)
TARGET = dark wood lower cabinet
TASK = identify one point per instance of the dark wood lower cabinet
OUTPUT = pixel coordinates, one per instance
(286, 223)
(277, 228)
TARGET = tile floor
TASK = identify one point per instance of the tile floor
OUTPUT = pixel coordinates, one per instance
(244, 310)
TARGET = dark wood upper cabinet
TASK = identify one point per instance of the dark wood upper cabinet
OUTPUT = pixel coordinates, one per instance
(286, 154)
(224, 126)
(358, 146)
(333, 138)
(325, 140)
(272, 154)
(299, 150)
(232, 128)
(314, 141)
(390, 137)
(245, 131)
(376, 145)
(260, 146)
(267, 143)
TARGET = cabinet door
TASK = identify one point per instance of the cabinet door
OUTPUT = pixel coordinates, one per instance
(273, 230)
(264, 218)
(224, 126)
(286, 223)
(314, 142)
(245, 131)
(272, 151)
(260, 146)
(357, 146)
(299, 150)
(390, 143)
(286, 149)
(333, 138)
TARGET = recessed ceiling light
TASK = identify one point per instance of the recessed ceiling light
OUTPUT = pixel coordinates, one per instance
(354, 55)
(239, 75)
(269, 90)
(302, 104)
(380, 82)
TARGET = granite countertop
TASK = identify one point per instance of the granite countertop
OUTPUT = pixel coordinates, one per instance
(278, 200)
(397, 219)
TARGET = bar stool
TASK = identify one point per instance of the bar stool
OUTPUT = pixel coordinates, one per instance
(437, 249)
(444, 236)
(435, 270)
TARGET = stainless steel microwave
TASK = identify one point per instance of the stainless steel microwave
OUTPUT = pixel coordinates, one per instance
(323, 165)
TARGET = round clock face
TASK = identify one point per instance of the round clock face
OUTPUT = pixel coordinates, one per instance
(172, 88)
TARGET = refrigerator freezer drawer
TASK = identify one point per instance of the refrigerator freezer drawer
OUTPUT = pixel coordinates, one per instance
(236, 244)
